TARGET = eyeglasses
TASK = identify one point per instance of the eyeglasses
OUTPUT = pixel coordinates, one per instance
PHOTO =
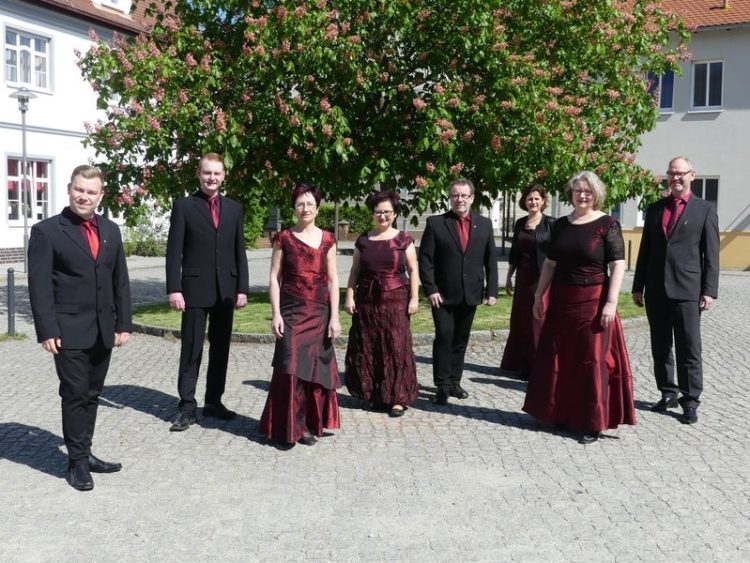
(588, 193)
(677, 174)
(462, 196)
(383, 213)
(305, 205)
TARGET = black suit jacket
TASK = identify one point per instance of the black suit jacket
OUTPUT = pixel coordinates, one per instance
(74, 297)
(204, 263)
(459, 277)
(687, 265)
(543, 235)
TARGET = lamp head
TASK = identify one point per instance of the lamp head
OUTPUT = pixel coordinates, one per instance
(23, 95)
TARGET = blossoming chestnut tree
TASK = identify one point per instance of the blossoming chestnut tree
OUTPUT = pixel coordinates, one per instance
(407, 95)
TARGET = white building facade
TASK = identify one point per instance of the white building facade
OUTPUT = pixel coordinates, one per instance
(40, 41)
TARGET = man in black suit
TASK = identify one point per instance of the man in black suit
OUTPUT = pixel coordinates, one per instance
(458, 268)
(80, 299)
(677, 275)
(207, 278)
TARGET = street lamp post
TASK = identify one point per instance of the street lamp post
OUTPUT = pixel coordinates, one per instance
(23, 95)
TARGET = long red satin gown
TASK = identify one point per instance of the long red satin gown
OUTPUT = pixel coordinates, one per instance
(302, 398)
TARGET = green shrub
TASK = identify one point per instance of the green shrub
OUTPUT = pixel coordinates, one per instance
(146, 232)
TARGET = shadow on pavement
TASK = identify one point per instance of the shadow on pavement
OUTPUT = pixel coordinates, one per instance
(149, 401)
(514, 384)
(164, 407)
(423, 360)
(484, 370)
(33, 446)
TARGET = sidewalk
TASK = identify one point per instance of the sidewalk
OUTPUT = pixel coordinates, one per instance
(475, 481)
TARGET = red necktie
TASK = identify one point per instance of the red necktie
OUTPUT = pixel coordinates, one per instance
(463, 225)
(675, 206)
(213, 205)
(92, 237)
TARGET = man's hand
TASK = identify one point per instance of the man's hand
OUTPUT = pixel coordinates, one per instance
(489, 301)
(52, 345)
(435, 300)
(121, 338)
(240, 301)
(177, 301)
(706, 302)
(638, 298)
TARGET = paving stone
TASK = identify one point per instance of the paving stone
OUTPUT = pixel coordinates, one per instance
(478, 480)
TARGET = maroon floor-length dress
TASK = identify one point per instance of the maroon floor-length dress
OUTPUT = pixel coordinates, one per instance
(581, 377)
(380, 363)
(523, 336)
(302, 397)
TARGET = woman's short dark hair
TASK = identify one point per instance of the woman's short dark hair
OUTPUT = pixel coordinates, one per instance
(376, 199)
(302, 189)
(533, 188)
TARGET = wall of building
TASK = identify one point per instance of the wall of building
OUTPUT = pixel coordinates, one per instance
(717, 142)
(55, 118)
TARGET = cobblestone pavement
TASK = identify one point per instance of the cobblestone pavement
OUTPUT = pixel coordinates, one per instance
(477, 480)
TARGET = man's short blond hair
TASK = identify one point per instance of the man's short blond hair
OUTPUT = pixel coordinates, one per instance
(87, 171)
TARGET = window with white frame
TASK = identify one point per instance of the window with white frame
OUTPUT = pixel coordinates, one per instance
(26, 59)
(616, 212)
(706, 188)
(37, 189)
(664, 86)
(708, 78)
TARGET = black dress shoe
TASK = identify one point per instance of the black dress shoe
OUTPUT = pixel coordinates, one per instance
(441, 397)
(218, 411)
(664, 404)
(308, 440)
(282, 446)
(397, 411)
(589, 438)
(458, 392)
(183, 421)
(689, 415)
(79, 477)
(96, 465)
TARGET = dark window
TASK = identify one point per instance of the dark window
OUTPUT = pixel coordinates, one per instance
(707, 84)
(664, 85)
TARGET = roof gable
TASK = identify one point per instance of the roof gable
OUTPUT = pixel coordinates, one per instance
(710, 13)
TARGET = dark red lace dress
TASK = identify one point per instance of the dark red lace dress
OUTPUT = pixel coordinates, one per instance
(380, 364)
(581, 376)
(302, 397)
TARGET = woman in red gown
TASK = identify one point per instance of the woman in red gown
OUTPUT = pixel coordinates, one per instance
(381, 294)
(304, 295)
(581, 377)
(531, 237)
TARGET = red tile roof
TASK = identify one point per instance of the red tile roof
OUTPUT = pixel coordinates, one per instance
(710, 13)
(135, 22)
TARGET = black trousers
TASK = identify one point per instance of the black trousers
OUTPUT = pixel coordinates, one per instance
(452, 331)
(81, 374)
(193, 330)
(679, 321)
